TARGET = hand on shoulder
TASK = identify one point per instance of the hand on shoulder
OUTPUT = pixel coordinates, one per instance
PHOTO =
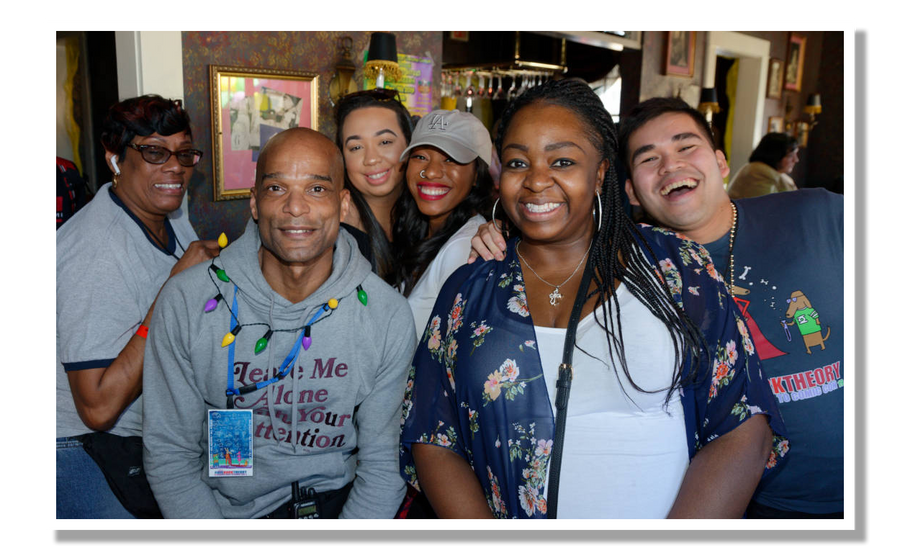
(488, 243)
(196, 252)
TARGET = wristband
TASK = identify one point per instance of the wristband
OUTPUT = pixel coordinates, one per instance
(142, 331)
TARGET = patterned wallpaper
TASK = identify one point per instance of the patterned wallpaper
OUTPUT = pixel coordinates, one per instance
(313, 51)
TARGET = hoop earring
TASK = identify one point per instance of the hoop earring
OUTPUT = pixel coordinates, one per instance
(598, 212)
(422, 173)
(494, 218)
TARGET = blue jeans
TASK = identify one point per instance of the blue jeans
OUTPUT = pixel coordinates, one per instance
(81, 489)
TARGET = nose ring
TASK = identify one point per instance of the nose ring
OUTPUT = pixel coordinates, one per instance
(422, 173)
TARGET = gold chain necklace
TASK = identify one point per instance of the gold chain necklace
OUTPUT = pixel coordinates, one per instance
(555, 296)
(731, 247)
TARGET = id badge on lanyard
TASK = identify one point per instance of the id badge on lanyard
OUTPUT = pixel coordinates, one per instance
(230, 433)
(230, 429)
(230, 442)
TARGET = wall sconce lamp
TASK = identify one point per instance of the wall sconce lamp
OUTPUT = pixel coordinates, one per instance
(343, 83)
(800, 128)
(709, 103)
(381, 62)
(812, 108)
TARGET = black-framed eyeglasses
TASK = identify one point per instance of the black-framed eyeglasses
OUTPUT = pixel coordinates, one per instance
(157, 154)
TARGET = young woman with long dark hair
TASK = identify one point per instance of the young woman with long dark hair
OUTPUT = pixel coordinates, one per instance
(450, 186)
(373, 129)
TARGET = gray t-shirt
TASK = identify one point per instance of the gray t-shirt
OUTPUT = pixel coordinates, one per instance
(108, 273)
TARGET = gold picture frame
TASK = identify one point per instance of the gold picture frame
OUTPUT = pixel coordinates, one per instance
(776, 78)
(793, 72)
(680, 48)
(248, 106)
(776, 124)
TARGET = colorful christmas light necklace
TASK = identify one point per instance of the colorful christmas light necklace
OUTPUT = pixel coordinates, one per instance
(304, 340)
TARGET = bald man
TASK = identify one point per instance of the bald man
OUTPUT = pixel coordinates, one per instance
(274, 374)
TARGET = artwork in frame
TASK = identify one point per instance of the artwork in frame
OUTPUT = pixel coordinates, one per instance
(793, 73)
(248, 107)
(801, 133)
(776, 124)
(680, 48)
(776, 78)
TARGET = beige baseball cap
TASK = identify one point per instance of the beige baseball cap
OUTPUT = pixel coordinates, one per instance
(458, 134)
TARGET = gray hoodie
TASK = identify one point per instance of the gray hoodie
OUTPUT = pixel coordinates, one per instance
(349, 386)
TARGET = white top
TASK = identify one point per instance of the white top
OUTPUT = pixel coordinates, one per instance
(452, 255)
(622, 458)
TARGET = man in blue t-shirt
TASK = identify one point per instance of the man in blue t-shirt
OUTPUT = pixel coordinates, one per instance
(782, 257)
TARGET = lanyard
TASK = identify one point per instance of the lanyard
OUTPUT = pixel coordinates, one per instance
(285, 366)
(229, 393)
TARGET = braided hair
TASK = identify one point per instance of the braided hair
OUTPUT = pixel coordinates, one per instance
(616, 249)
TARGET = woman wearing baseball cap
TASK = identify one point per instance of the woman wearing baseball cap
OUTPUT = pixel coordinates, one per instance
(448, 177)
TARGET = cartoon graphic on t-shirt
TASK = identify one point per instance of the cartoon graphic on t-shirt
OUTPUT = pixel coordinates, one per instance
(801, 313)
(764, 348)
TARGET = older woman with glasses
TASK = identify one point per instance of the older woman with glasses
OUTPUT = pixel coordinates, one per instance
(112, 259)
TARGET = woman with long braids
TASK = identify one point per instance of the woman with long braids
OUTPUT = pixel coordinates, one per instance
(449, 180)
(663, 407)
(373, 130)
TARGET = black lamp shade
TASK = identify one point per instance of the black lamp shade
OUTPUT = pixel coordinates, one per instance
(814, 100)
(708, 95)
(383, 46)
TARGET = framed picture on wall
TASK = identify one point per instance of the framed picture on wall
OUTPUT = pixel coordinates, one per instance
(793, 73)
(680, 48)
(248, 107)
(801, 133)
(776, 78)
(776, 124)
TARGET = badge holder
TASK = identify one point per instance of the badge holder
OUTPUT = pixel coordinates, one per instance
(230, 442)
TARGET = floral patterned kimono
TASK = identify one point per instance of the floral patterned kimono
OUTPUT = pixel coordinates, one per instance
(476, 385)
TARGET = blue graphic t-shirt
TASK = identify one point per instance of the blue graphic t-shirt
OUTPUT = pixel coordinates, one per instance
(789, 286)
